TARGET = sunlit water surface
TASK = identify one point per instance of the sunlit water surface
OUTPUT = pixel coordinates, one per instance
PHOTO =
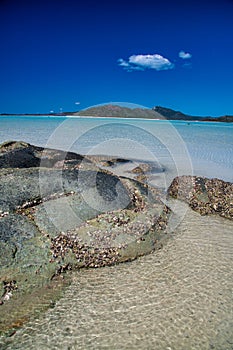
(179, 297)
(201, 148)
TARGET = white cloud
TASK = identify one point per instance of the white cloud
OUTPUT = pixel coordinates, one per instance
(142, 62)
(123, 63)
(184, 55)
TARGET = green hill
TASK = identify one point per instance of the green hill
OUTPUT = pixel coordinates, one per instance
(120, 112)
(157, 112)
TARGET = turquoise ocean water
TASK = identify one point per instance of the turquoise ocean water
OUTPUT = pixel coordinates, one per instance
(200, 148)
(179, 297)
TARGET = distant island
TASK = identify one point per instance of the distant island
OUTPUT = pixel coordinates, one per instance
(156, 112)
(117, 111)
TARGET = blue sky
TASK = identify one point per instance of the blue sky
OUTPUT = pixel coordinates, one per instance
(177, 54)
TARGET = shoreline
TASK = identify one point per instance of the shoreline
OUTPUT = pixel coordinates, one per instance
(67, 116)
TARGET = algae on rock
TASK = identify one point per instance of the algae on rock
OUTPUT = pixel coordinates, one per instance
(58, 212)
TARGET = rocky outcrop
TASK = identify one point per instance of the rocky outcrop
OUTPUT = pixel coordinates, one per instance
(60, 212)
(18, 154)
(206, 196)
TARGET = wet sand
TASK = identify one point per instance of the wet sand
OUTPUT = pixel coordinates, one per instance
(179, 297)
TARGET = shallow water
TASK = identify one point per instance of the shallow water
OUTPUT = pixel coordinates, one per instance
(183, 148)
(179, 297)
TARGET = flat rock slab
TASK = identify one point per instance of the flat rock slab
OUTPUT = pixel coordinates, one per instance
(59, 212)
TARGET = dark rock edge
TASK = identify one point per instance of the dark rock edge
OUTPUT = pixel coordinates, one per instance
(36, 261)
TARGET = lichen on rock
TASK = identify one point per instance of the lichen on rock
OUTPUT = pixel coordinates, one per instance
(60, 212)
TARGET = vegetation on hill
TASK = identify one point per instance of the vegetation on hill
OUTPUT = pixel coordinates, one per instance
(121, 112)
(173, 115)
(156, 112)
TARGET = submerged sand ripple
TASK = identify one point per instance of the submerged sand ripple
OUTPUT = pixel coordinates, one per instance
(179, 297)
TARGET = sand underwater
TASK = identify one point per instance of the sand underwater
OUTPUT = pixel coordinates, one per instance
(178, 297)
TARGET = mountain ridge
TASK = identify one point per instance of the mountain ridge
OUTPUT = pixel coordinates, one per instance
(117, 111)
(157, 112)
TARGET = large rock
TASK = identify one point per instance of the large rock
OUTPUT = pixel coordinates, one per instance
(60, 212)
(18, 154)
(206, 196)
